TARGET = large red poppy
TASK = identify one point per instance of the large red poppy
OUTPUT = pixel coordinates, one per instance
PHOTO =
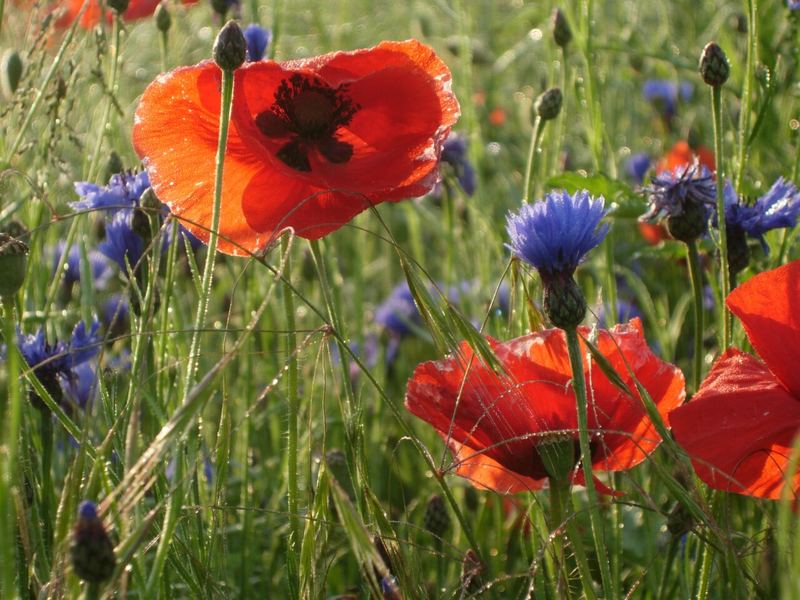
(740, 426)
(494, 428)
(312, 142)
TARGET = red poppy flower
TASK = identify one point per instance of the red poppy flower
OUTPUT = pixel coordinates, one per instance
(137, 9)
(681, 155)
(312, 143)
(495, 426)
(740, 426)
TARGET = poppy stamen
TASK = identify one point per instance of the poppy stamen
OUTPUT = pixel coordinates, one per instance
(309, 112)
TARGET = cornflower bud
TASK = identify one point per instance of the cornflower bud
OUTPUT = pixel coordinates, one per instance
(230, 47)
(562, 34)
(714, 66)
(548, 104)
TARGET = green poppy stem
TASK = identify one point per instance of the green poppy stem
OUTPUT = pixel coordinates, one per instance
(536, 137)
(697, 293)
(724, 275)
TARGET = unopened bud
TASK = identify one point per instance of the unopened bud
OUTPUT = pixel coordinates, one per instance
(163, 18)
(11, 67)
(230, 48)
(564, 302)
(562, 34)
(119, 6)
(91, 550)
(714, 66)
(436, 519)
(13, 264)
(548, 104)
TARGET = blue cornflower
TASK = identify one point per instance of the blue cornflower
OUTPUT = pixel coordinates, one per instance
(555, 235)
(777, 209)
(115, 312)
(101, 270)
(398, 314)
(454, 153)
(793, 4)
(665, 94)
(258, 39)
(121, 242)
(123, 191)
(55, 364)
(637, 166)
(81, 388)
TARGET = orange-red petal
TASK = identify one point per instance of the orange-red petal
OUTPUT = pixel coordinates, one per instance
(739, 428)
(175, 132)
(681, 155)
(768, 305)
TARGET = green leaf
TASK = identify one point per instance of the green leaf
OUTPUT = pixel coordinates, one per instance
(629, 204)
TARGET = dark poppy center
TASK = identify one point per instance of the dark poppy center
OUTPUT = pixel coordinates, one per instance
(308, 113)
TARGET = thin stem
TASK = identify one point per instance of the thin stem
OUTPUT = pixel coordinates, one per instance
(92, 591)
(744, 114)
(11, 415)
(163, 39)
(559, 500)
(536, 134)
(292, 489)
(579, 384)
(48, 494)
(697, 293)
(724, 274)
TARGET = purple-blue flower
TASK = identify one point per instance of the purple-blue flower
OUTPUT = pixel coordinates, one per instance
(665, 94)
(398, 314)
(81, 387)
(258, 39)
(555, 235)
(123, 191)
(121, 242)
(637, 166)
(672, 191)
(793, 4)
(454, 153)
(101, 270)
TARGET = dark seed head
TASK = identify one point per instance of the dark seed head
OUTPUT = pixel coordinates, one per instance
(437, 519)
(163, 18)
(714, 66)
(548, 104)
(230, 48)
(562, 34)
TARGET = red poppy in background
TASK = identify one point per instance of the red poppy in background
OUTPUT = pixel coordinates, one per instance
(312, 143)
(137, 9)
(740, 426)
(495, 427)
(682, 155)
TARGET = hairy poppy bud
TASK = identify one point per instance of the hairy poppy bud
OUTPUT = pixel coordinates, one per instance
(11, 72)
(562, 34)
(91, 551)
(119, 6)
(163, 18)
(230, 48)
(564, 302)
(13, 264)
(714, 66)
(436, 519)
(548, 104)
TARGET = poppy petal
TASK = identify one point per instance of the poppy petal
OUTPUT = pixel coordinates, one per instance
(739, 428)
(181, 110)
(768, 305)
(485, 473)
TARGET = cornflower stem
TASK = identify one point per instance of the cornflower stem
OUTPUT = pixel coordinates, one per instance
(697, 294)
(11, 416)
(293, 409)
(112, 86)
(92, 591)
(48, 494)
(724, 275)
(579, 385)
(536, 136)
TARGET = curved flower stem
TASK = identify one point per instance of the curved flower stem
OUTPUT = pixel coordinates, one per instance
(724, 275)
(697, 293)
(292, 489)
(112, 86)
(11, 416)
(579, 384)
(536, 136)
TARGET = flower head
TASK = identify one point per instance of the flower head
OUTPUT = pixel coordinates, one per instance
(665, 94)
(637, 166)
(793, 4)
(122, 243)
(454, 153)
(682, 154)
(741, 425)
(258, 39)
(91, 550)
(497, 427)
(555, 235)
(98, 265)
(124, 190)
(313, 142)
(137, 9)
(398, 314)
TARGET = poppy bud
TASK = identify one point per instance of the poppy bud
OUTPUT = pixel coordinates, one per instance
(119, 6)
(11, 71)
(220, 7)
(548, 104)
(91, 551)
(562, 34)
(13, 264)
(557, 452)
(690, 224)
(714, 66)
(436, 519)
(230, 47)
(564, 303)
(163, 18)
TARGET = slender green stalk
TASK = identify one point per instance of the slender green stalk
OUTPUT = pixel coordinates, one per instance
(744, 113)
(92, 591)
(697, 294)
(48, 490)
(293, 409)
(163, 38)
(579, 384)
(536, 135)
(559, 501)
(11, 416)
(112, 90)
(724, 275)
